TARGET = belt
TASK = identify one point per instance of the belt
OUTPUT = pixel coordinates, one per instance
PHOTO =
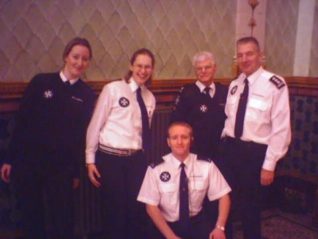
(118, 152)
(246, 144)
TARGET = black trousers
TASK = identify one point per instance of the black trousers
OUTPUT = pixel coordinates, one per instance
(242, 166)
(45, 195)
(121, 177)
(200, 228)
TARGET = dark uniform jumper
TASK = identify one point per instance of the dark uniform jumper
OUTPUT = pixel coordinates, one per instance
(205, 115)
(46, 150)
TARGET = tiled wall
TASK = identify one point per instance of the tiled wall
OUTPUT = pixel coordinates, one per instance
(303, 153)
(34, 32)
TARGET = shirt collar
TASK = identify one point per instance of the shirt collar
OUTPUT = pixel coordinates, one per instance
(133, 85)
(176, 162)
(201, 87)
(64, 79)
(253, 77)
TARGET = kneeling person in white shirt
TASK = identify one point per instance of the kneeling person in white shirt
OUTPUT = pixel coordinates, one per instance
(165, 199)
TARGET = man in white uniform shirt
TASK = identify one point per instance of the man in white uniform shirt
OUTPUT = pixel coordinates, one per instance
(160, 191)
(256, 133)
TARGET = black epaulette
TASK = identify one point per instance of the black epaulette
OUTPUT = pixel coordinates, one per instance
(277, 82)
(156, 163)
(204, 158)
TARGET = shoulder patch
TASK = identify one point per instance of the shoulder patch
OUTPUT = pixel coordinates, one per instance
(233, 90)
(156, 163)
(204, 158)
(277, 82)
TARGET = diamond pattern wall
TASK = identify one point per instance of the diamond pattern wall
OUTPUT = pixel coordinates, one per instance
(281, 29)
(313, 70)
(34, 33)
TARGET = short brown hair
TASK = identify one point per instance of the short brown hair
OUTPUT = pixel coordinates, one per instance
(74, 42)
(180, 123)
(245, 40)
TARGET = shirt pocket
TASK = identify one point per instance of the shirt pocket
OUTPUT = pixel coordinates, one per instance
(257, 108)
(168, 188)
(231, 105)
(198, 189)
(169, 195)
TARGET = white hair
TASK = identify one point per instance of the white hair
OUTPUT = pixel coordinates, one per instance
(202, 56)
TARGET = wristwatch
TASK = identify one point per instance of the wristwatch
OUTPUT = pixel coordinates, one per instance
(220, 227)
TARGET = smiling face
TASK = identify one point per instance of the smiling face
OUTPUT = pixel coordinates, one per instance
(179, 140)
(76, 62)
(204, 71)
(142, 69)
(249, 57)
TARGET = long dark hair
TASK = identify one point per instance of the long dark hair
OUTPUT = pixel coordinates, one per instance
(74, 42)
(142, 51)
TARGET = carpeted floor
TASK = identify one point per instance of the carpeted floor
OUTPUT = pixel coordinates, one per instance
(281, 225)
(276, 224)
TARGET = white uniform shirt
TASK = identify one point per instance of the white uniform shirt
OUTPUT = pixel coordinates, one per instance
(161, 185)
(201, 86)
(116, 121)
(267, 116)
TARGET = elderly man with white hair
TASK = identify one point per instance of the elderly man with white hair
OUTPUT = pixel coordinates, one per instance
(201, 104)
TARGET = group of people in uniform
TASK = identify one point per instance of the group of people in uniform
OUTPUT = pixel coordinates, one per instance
(225, 143)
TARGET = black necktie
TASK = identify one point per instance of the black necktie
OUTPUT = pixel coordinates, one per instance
(67, 83)
(184, 215)
(240, 114)
(207, 92)
(145, 121)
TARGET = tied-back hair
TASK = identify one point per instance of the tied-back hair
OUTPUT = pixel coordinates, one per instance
(245, 40)
(75, 42)
(142, 51)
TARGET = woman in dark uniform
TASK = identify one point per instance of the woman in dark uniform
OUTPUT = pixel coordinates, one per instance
(48, 144)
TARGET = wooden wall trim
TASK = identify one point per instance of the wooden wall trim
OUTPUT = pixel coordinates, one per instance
(165, 90)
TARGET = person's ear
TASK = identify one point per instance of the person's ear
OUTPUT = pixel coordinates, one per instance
(168, 142)
(130, 67)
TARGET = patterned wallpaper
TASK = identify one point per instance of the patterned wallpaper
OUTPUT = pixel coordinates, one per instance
(34, 33)
(281, 37)
(313, 70)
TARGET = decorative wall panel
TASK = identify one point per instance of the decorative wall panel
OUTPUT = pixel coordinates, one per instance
(302, 157)
(34, 32)
(313, 70)
(280, 36)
